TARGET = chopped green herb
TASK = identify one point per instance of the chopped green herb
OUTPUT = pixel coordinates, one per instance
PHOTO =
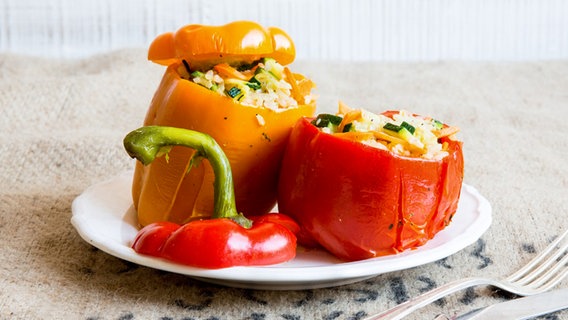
(408, 127)
(197, 74)
(323, 120)
(437, 124)
(234, 92)
(244, 67)
(392, 127)
(259, 70)
(253, 83)
(248, 66)
(273, 68)
(405, 134)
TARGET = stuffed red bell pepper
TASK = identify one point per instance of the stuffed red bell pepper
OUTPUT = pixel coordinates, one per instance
(226, 239)
(364, 185)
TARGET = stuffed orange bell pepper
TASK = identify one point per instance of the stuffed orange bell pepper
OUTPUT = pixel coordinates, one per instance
(364, 185)
(232, 83)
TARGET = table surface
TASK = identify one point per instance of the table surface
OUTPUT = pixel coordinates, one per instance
(62, 127)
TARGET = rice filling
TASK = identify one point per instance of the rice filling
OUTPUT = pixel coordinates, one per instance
(265, 83)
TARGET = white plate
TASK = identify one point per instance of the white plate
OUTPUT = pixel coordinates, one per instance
(104, 217)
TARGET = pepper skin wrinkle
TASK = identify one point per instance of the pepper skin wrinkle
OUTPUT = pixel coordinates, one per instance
(358, 201)
(175, 188)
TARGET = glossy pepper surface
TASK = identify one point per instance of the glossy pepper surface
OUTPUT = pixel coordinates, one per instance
(358, 201)
(227, 238)
(235, 42)
(253, 138)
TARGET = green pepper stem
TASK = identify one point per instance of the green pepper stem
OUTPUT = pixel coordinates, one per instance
(147, 143)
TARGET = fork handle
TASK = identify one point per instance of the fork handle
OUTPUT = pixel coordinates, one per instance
(411, 305)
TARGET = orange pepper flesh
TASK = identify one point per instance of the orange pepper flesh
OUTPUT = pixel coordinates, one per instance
(236, 42)
(163, 191)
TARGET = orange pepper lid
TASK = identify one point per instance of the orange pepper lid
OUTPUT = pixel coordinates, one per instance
(239, 42)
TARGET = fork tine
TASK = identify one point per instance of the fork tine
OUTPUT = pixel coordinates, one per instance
(543, 270)
(552, 277)
(556, 280)
(538, 259)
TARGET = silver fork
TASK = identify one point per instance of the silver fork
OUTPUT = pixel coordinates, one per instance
(541, 274)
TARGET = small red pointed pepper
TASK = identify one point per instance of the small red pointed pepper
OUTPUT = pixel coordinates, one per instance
(228, 238)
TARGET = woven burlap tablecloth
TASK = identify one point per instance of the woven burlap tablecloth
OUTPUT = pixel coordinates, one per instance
(62, 124)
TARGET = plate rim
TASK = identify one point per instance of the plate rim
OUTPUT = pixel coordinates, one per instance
(316, 276)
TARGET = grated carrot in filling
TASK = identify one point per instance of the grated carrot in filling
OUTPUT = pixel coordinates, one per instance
(400, 132)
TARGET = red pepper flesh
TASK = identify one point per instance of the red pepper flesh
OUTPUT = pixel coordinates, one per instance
(218, 243)
(277, 218)
(358, 201)
(150, 240)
